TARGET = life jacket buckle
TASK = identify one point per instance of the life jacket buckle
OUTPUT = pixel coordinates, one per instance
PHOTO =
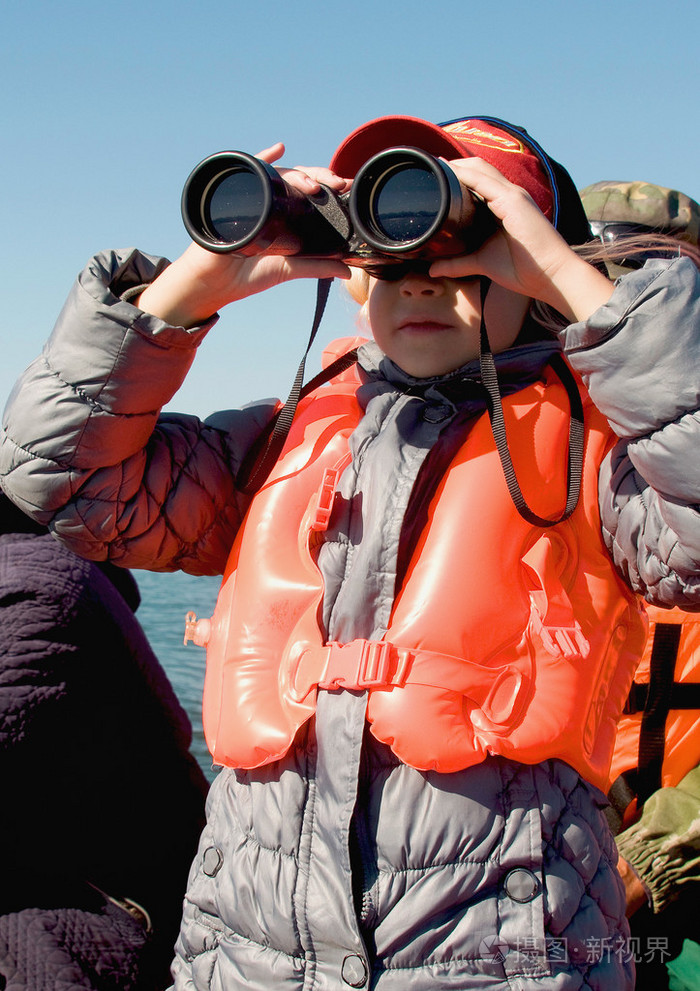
(326, 494)
(354, 666)
(568, 642)
(363, 664)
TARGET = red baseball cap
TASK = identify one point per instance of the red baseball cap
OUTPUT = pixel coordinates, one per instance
(507, 148)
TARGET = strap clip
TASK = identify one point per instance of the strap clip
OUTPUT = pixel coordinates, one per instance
(329, 483)
(560, 641)
(355, 666)
(362, 664)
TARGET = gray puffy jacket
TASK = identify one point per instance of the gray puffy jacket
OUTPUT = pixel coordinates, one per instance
(338, 866)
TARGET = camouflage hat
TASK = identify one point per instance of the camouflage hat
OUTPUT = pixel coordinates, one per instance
(644, 204)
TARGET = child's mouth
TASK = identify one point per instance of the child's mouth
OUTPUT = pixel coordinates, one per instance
(417, 325)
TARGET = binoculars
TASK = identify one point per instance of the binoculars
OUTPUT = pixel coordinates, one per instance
(404, 204)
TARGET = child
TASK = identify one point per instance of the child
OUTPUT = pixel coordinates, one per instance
(419, 652)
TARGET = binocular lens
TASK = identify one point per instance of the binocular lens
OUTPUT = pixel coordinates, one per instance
(233, 205)
(405, 202)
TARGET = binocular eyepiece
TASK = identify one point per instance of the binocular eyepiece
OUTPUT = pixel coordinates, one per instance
(404, 204)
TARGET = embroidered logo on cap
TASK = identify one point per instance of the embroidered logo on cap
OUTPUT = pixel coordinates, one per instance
(465, 131)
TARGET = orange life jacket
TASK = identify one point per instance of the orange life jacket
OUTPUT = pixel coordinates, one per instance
(658, 739)
(505, 638)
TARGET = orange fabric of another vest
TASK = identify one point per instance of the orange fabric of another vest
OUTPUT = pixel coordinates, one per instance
(505, 638)
(682, 733)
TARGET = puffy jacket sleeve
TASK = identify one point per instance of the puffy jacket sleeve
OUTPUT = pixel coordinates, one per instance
(86, 451)
(638, 356)
(664, 845)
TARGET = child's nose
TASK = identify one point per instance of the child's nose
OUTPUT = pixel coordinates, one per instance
(419, 284)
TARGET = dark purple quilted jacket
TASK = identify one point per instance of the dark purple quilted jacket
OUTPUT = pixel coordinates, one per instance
(99, 792)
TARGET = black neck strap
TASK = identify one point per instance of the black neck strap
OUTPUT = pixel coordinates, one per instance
(498, 427)
(261, 459)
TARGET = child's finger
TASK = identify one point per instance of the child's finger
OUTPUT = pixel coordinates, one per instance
(459, 267)
(315, 176)
(273, 153)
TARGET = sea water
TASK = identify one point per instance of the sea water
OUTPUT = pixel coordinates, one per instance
(165, 601)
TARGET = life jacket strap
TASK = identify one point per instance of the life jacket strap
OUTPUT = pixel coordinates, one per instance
(684, 695)
(499, 693)
(654, 701)
(652, 735)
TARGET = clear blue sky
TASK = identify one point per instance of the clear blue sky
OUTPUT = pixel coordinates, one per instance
(106, 108)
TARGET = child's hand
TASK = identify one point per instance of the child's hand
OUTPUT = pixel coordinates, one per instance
(200, 282)
(527, 255)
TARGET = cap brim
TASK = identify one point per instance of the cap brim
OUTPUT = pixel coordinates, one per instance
(392, 132)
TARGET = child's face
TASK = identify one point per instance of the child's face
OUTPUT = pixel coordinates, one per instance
(429, 327)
